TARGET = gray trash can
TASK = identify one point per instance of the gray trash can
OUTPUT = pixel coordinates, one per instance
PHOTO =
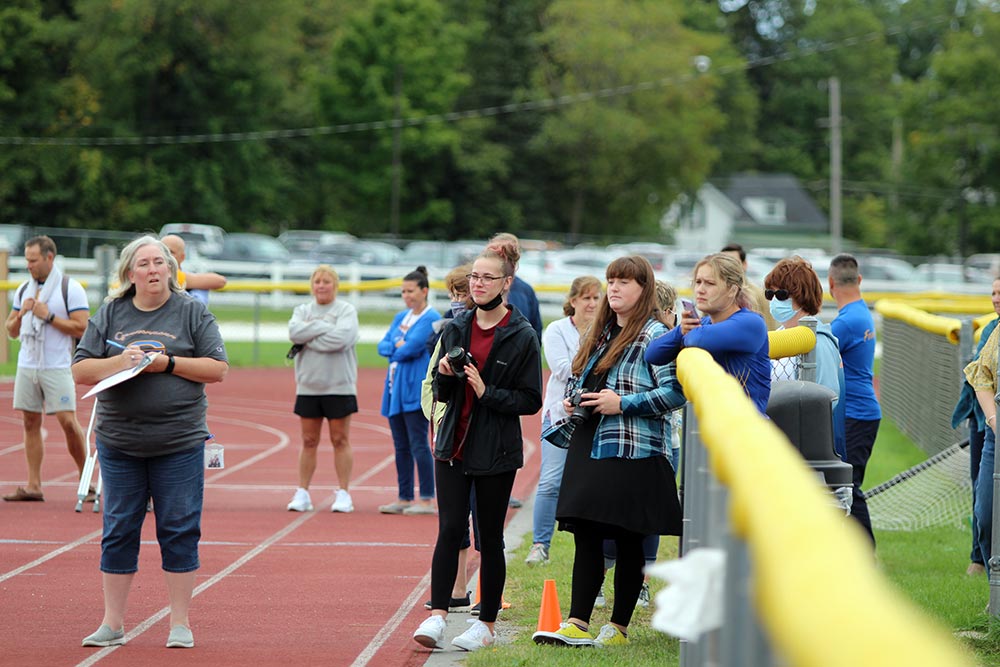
(804, 413)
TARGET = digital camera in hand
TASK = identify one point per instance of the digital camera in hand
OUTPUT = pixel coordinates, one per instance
(293, 350)
(580, 413)
(458, 359)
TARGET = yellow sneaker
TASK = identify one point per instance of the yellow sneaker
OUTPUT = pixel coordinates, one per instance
(567, 635)
(610, 636)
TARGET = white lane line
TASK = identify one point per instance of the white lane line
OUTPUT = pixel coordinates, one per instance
(382, 636)
(49, 556)
(201, 588)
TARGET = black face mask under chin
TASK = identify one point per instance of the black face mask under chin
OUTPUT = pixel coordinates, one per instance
(491, 305)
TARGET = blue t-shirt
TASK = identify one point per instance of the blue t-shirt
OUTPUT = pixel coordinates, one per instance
(855, 332)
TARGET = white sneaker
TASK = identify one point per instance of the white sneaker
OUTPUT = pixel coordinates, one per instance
(343, 503)
(301, 502)
(600, 602)
(643, 600)
(431, 632)
(476, 637)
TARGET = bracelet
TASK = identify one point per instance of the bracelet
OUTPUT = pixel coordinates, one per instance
(170, 365)
(993, 417)
(48, 320)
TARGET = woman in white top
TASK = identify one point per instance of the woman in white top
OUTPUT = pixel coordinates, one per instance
(560, 342)
(325, 333)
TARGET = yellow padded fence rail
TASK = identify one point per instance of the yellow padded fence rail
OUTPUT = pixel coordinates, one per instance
(790, 342)
(820, 598)
(949, 327)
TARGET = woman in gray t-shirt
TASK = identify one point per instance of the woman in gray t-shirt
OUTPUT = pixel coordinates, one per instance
(150, 429)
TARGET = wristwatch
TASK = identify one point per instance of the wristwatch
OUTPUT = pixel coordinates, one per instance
(48, 320)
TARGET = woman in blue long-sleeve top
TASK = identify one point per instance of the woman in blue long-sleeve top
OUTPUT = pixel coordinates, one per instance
(729, 330)
(405, 346)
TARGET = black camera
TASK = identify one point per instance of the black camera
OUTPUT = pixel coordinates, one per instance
(458, 359)
(580, 413)
(293, 350)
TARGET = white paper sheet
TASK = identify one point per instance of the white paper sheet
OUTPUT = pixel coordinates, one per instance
(121, 376)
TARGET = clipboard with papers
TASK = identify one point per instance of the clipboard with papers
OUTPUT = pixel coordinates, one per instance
(121, 376)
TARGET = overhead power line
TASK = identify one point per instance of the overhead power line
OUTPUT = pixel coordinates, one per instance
(544, 104)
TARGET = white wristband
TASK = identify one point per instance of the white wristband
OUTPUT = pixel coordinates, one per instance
(993, 417)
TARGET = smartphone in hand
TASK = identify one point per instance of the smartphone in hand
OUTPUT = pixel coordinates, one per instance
(688, 306)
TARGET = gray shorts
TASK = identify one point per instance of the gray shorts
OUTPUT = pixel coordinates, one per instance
(48, 391)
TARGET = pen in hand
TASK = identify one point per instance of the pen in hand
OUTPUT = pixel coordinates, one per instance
(114, 344)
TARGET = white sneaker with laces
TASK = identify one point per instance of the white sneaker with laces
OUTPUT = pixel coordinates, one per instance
(301, 502)
(476, 637)
(537, 555)
(343, 503)
(431, 632)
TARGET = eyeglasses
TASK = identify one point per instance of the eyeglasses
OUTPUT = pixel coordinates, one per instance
(782, 294)
(486, 280)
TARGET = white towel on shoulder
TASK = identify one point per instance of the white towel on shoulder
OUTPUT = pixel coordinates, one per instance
(33, 329)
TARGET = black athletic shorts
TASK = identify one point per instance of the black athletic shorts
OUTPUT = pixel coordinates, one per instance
(329, 406)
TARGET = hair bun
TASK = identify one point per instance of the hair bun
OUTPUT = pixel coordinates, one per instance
(422, 269)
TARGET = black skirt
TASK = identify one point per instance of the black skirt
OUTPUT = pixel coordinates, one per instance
(639, 495)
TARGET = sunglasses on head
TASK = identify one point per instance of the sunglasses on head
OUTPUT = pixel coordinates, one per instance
(782, 294)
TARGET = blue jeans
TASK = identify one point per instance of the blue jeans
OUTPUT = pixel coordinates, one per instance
(409, 437)
(982, 512)
(976, 439)
(547, 493)
(176, 483)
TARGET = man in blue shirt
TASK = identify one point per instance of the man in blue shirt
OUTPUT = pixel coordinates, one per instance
(855, 331)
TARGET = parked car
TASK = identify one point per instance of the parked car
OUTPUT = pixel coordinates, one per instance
(440, 256)
(877, 267)
(950, 275)
(250, 248)
(300, 241)
(560, 267)
(372, 253)
(207, 239)
(12, 238)
(988, 262)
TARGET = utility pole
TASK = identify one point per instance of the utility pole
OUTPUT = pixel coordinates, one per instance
(836, 225)
(397, 149)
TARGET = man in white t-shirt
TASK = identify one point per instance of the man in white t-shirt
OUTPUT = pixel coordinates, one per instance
(46, 316)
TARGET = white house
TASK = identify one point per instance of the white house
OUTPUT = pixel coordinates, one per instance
(752, 209)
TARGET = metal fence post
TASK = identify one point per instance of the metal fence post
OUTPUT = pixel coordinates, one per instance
(807, 363)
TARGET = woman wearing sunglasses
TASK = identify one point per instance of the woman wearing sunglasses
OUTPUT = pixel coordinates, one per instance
(793, 291)
(727, 328)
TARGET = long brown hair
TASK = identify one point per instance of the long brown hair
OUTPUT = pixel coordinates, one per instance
(634, 267)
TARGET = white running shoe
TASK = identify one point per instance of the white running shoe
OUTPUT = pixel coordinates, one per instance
(431, 632)
(343, 503)
(301, 502)
(643, 600)
(476, 637)
(600, 602)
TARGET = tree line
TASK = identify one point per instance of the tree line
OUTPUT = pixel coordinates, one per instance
(571, 119)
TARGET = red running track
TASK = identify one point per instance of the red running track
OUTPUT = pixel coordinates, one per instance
(274, 586)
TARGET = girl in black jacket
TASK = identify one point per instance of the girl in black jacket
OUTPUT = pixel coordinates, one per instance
(479, 440)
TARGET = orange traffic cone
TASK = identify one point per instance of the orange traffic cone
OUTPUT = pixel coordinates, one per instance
(549, 616)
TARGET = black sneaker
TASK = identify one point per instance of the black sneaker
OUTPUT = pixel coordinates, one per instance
(456, 604)
(479, 607)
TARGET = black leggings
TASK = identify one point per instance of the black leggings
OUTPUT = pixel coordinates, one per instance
(492, 496)
(588, 570)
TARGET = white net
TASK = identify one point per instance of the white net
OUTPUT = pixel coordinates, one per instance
(937, 492)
